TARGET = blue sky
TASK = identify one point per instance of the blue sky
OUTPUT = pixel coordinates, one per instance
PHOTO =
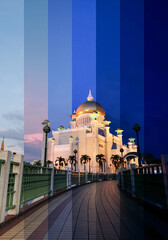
(53, 52)
(12, 74)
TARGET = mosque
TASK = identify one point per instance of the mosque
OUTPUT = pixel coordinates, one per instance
(89, 135)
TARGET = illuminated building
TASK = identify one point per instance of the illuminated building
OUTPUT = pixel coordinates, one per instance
(89, 134)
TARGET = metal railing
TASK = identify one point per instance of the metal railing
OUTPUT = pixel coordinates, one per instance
(36, 182)
(23, 183)
(145, 183)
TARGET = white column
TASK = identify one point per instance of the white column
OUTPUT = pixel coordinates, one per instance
(4, 178)
(95, 150)
(18, 183)
(132, 172)
(52, 179)
(52, 151)
(86, 177)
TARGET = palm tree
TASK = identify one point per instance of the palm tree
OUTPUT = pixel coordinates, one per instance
(149, 158)
(61, 160)
(48, 162)
(100, 159)
(37, 163)
(84, 159)
(72, 160)
(116, 160)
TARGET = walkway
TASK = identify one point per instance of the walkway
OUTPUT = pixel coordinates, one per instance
(94, 211)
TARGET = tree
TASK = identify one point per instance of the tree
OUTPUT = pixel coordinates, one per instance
(149, 158)
(61, 160)
(116, 160)
(48, 163)
(72, 160)
(84, 159)
(37, 163)
(100, 159)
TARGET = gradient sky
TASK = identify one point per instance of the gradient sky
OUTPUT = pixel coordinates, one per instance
(35, 75)
(12, 74)
(118, 49)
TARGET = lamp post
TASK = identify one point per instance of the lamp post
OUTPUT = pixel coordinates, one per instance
(137, 128)
(121, 151)
(46, 130)
(75, 151)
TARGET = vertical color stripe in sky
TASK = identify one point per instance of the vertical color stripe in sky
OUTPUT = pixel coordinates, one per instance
(36, 75)
(83, 50)
(59, 62)
(12, 74)
(156, 76)
(108, 59)
(132, 67)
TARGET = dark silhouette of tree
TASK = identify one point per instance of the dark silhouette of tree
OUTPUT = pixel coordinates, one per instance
(84, 159)
(37, 163)
(72, 160)
(149, 158)
(100, 159)
(48, 163)
(61, 161)
(117, 161)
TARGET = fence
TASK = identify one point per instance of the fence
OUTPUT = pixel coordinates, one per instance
(147, 183)
(22, 183)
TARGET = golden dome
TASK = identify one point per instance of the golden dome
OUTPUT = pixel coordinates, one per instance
(89, 107)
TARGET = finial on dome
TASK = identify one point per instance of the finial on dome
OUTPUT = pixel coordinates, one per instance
(90, 98)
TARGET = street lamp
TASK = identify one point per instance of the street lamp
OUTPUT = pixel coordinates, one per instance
(137, 128)
(75, 151)
(46, 130)
(121, 151)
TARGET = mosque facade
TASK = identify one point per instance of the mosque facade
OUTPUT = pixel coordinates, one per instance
(89, 135)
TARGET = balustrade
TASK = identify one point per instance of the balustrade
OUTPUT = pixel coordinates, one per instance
(146, 183)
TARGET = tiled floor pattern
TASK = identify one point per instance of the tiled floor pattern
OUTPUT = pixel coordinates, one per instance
(93, 211)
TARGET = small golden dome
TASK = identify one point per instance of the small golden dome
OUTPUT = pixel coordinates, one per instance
(89, 107)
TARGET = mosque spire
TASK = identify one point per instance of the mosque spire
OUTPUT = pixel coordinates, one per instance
(2, 145)
(90, 98)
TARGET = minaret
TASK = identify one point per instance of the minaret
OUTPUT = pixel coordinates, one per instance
(119, 135)
(71, 145)
(2, 145)
(131, 144)
(94, 116)
(108, 144)
(52, 150)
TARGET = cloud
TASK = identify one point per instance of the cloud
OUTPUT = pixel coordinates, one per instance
(34, 139)
(32, 152)
(16, 134)
(32, 146)
(14, 116)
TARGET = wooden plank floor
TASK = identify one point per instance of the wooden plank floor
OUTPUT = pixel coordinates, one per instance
(94, 211)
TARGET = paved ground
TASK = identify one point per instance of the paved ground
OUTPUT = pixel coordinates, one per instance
(93, 211)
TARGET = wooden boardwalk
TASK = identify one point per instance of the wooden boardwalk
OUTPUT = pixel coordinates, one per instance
(93, 211)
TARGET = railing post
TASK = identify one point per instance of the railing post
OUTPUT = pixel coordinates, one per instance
(79, 178)
(164, 159)
(4, 178)
(133, 179)
(18, 184)
(52, 180)
(86, 177)
(68, 177)
(122, 180)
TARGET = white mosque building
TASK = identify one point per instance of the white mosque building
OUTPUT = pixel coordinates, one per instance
(89, 135)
